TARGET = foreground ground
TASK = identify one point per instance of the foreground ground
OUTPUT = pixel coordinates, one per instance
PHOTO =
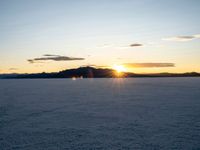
(158, 113)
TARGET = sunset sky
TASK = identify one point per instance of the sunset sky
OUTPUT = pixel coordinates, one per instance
(145, 36)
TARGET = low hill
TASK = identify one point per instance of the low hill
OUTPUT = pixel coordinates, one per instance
(91, 72)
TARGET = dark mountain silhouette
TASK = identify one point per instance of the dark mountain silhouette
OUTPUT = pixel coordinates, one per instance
(83, 72)
(91, 72)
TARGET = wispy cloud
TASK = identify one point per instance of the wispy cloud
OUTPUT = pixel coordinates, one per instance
(183, 38)
(51, 57)
(105, 46)
(11, 69)
(148, 65)
(96, 66)
(120, 46)
(136, 45)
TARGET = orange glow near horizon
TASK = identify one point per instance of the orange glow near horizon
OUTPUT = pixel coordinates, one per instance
(119, 68)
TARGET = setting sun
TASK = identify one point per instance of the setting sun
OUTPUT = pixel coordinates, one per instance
(119, 68)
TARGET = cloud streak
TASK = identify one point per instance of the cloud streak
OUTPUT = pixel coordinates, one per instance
(48, 57)
(95, 66)
(13, 68)
(136, 45)
(148, 65)
(183, 38)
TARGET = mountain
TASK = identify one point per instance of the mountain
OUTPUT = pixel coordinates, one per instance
(91, 72)
(83, 72)
(3, 76)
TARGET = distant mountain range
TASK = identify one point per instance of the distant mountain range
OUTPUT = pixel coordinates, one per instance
(91, 72)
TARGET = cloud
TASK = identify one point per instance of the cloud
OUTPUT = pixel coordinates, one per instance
(95, 66)
(148, 65)
(136, 45)
(183, 38)
(105, 46)
(53, 58)
(49, 55)
(13, 68)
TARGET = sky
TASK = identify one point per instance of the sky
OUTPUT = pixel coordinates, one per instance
(145, 36)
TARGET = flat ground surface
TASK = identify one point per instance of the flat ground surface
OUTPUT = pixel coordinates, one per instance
(136, 113)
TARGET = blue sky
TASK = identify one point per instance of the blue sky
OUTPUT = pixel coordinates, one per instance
(101, 32)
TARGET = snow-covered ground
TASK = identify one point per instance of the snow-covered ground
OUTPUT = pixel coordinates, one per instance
(136, 113)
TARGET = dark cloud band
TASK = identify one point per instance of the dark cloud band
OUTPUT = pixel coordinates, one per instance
(148, 65)
(53, 58)
(136, 45)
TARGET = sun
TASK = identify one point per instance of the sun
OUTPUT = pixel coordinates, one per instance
(119, 68)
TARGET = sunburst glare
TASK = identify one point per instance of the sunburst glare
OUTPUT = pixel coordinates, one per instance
(119, 68)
